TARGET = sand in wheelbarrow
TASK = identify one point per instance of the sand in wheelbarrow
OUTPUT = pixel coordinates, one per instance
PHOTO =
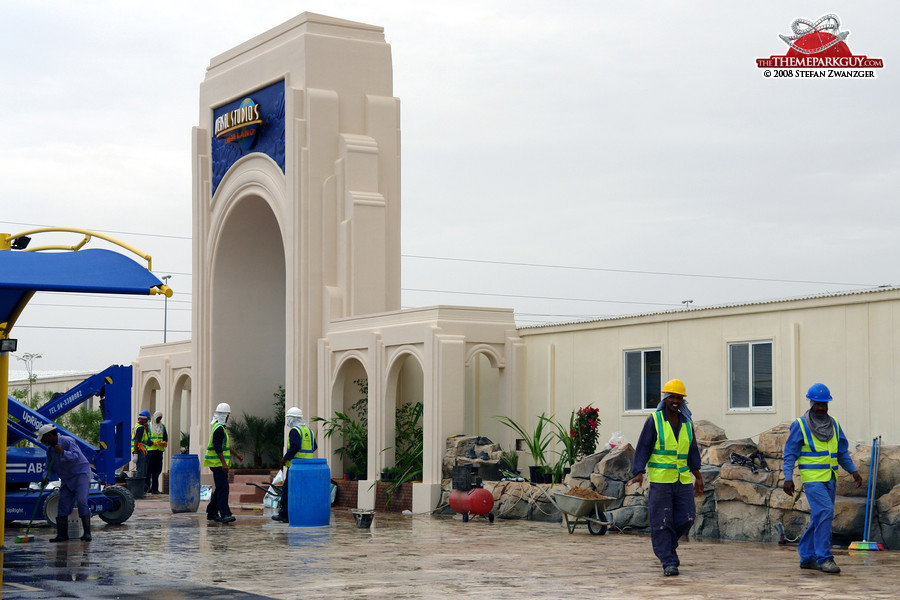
(580, 492)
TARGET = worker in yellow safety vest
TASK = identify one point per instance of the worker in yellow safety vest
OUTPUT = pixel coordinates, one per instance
(140, 442)
(218, 459)
(159, 439)
(301, 445)
(817, 444)
(668, 450)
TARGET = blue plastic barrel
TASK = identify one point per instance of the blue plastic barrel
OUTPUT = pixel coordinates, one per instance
(184, 483)
(309, 500)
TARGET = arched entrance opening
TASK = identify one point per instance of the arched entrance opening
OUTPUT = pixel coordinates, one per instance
(149, 396)
(402, 417)
(180, 419)
(348, 445)
(247, 316)
(483, 399)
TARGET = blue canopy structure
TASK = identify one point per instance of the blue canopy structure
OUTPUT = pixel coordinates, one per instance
(94, 270)
(22, 273)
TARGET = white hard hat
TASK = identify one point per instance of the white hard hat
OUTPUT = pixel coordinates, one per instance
(45, 429)
(223, 408)
(294, 412)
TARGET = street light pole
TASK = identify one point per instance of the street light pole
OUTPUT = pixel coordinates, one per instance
(165, 280)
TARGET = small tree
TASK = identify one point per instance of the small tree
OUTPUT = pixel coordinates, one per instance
(28, 358)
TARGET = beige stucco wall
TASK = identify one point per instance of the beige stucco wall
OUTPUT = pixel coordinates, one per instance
(849, 342)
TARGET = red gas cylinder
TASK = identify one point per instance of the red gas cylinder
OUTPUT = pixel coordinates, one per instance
(477, 501)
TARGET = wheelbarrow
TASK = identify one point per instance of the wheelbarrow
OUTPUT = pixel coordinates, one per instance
(582, 511)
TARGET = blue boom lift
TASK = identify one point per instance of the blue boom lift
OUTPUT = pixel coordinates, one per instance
(26, 466)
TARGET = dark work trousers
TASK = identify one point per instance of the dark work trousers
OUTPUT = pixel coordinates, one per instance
(672, 513)
(218, 502)
(154, 470)
(283, 511)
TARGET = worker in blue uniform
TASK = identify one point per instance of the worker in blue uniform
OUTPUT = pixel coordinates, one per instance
(817, 444)
(301, 445)
(669, 452)
(66, 460)
(218, 459)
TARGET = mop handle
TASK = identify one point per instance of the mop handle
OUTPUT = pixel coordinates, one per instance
(869, 492)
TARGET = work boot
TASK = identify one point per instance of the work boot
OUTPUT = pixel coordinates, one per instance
(62, 530)
(670, 570)
(86, 525)
(227, 519)
(279, 517)
(828, 566)
(809, 564)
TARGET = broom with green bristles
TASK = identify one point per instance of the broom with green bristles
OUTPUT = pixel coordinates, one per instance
(870, 496)
(30, 538)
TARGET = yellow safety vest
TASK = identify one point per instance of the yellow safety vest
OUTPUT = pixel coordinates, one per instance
(144, 436)
(818, 460)
(668, 462)
(157, 438)
(212, 459)
(306, 444)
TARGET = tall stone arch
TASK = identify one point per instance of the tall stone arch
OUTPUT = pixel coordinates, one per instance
(296, 151)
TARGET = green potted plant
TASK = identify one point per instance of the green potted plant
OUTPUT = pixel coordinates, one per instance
(509, 460)
(566, 437)
(537, 442)
(354, 433)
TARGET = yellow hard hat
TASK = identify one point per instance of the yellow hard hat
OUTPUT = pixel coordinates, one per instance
(674, 386)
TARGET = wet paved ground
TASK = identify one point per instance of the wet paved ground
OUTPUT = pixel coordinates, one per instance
(160, 556)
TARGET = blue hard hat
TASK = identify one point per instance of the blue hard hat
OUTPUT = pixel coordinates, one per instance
(818, 393)
(146, 413)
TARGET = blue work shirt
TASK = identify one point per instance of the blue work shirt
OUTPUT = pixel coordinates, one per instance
(795, 442)
(71, 462)
(647, 442)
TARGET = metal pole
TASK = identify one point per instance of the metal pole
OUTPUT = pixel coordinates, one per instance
(165, 280)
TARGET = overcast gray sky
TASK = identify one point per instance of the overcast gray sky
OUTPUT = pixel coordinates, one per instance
(611, 136)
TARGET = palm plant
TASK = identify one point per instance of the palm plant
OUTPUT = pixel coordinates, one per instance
(536, 441)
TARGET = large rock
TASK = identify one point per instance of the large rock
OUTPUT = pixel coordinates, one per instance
(888, 471)
(771, 442)
(740, 521)
(634, 517)
(617, 464)
(849, 518)
(729, 490)
(779, 500)
(706, 525)
(583, 468)
(720, 453)
(707, 433)
(794, 523)
(458, 446)
(609, 487)
(739, 473)
(888, 522)
(709, 473)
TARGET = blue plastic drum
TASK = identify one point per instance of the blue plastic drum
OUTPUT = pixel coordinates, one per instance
(184, 483)
(309, 500)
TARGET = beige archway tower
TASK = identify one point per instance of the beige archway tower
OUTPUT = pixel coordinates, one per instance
(302, 224)
(297, 250)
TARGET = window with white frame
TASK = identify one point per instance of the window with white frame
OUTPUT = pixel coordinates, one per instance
(750, 370)
(642, 379)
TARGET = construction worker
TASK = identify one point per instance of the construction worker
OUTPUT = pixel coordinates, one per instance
(301, 445)
(140, 442)
(817, 444)
(218, 459)
(668, 450)
(159, 439)
(65, 458)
